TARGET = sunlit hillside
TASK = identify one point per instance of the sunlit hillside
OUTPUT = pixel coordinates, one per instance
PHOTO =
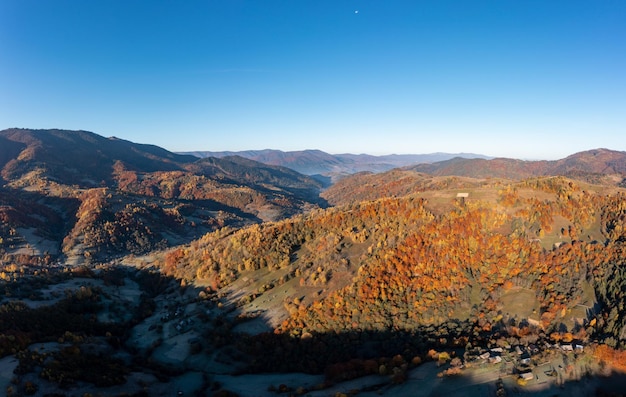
(539, 257)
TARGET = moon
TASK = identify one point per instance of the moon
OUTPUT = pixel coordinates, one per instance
(356, 11)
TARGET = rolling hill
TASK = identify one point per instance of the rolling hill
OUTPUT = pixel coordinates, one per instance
(107, 196)
(600, 166)
(593, 165)
(426, 269)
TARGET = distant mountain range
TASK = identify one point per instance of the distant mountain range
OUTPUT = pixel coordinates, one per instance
(596, 166)
(600, 166)
(588, 165)
(317, 162)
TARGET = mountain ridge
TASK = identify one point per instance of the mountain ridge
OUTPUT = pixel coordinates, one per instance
(587, 164)
(112, 197)
(91, 183)
(314, 162)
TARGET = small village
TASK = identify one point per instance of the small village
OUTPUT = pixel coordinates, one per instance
(533, 366)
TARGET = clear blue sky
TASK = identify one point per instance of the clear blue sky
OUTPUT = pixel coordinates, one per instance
(525, 79)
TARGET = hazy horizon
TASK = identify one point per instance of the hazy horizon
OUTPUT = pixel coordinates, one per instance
(374, 153)
(395, 154)
(534, 80)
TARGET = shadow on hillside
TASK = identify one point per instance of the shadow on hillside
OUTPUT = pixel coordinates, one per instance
(326, 181)
(80, 328)
(52, 217)
(36, 224)
(136, 329)
(213, 205)
(401, 363)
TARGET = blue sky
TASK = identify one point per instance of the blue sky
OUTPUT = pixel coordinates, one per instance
(528, 79)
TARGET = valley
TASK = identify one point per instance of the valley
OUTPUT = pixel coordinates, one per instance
(129, 270)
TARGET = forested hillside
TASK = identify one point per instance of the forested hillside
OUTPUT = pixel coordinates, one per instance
(541, 257)
(596, 166)
(77, 195)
